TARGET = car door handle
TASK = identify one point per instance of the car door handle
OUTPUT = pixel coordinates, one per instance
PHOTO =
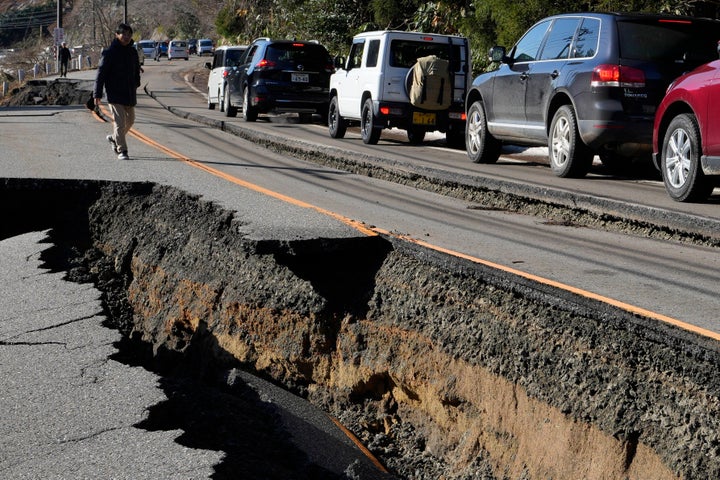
(524, 76)
(554, 74)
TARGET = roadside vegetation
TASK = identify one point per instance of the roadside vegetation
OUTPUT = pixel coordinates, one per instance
(332, 22)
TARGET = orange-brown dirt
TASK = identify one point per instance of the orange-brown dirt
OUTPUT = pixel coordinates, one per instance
(443, 368)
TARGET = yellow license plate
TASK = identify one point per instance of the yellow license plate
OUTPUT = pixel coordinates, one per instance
(421, 118)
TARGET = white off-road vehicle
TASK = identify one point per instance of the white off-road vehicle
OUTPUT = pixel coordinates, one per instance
(375, 84)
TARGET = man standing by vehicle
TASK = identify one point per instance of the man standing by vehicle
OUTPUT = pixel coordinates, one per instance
(64, 57)
(118, 74)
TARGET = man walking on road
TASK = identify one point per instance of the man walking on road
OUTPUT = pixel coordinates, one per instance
(118, 74)
(64, 57)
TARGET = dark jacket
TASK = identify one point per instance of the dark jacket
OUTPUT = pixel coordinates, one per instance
(64, 55)
(119, 74)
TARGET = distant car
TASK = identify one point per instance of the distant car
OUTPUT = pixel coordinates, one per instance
(192, 46)
(225, 59)
(584, 84)
(686, 135)
(148, 47)
(177, 49)
(281, 76)
(205, 46)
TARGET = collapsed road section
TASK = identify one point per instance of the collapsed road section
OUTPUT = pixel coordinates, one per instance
(442, 367)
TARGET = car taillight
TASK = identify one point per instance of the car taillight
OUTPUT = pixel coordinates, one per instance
(617, 76)
(265, 64)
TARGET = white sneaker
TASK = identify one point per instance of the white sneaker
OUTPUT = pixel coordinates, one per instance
(114, 146)
(123, 156)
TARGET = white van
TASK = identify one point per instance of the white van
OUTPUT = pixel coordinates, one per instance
(225, 59)
(178, 49)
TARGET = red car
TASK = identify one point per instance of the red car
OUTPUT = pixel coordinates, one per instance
(686, 134)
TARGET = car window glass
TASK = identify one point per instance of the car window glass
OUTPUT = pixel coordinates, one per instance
(356, 53)
(253, 54)
(292, 55)
(233, 57)
(587, 38)
(526, 49)
(404, 53)
(557, 45)
(667, 42)
(373, 53)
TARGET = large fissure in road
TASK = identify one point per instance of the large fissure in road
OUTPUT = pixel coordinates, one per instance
(442, 367)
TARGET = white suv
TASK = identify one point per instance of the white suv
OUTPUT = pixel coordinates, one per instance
(225, 59)
(373, 86)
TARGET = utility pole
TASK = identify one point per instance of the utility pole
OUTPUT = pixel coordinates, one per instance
(58, 35)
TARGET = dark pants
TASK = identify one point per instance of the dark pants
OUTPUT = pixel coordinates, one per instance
(63, 69)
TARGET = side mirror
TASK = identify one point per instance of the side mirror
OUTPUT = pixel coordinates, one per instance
(497, 54)
(339, 62)
(208, 65)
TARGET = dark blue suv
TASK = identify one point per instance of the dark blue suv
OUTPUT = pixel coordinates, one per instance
(281, 76)
(584, 84)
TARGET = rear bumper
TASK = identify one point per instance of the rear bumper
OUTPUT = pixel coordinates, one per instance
(405, 116)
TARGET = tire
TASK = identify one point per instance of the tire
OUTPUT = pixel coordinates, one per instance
(249, 114)
(569, 156)
(211, 105)
(369, 132)
(305, 117)
(480, 145)
(337, 126)
(221, 100)
(229, 109)
(680, 161)
(416, 135)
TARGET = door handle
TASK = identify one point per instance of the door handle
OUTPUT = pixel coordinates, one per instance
(554, 74)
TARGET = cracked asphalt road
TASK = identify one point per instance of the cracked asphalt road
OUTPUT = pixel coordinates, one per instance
(68, 409)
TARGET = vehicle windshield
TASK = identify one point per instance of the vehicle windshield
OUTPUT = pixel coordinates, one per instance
(205, 43)
(290, 55)
(668, 41)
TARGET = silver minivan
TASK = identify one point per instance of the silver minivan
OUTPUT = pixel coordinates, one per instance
(178, 49)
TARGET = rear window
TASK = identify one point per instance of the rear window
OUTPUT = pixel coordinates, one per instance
(290, 55)
(669, 41)
(206, 43)
(404, 53)
(233, 57)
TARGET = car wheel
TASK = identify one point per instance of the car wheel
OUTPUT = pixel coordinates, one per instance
(221, 100)
(569, 156)
(211, 104)
(249, 113)
(369, 132)
(337, 126)
(680, 161)
(416, 135)
(480, 145)
(305, 117)
(230, 110)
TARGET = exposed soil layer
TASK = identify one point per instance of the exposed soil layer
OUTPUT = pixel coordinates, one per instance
(443, 368)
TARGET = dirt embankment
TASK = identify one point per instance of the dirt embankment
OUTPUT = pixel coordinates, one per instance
(443, 368)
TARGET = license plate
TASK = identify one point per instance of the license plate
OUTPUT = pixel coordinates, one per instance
(421, 118)
(300, 77)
